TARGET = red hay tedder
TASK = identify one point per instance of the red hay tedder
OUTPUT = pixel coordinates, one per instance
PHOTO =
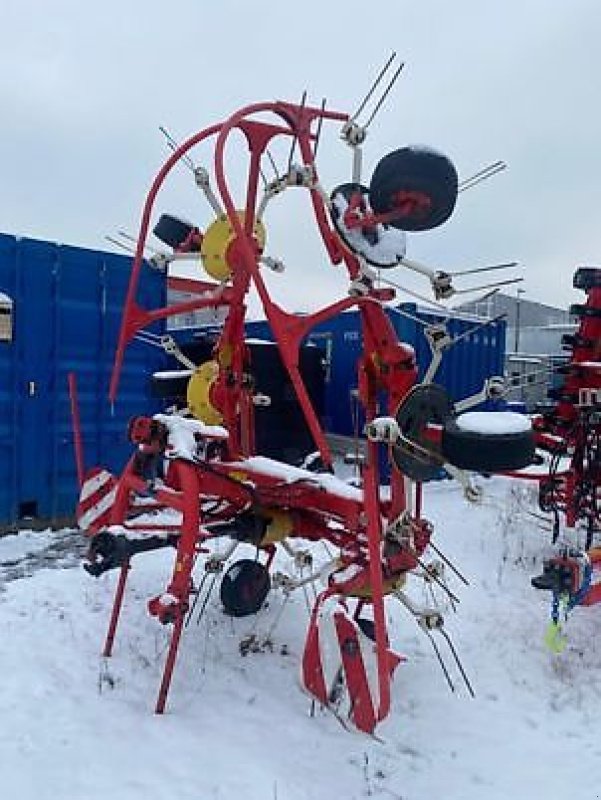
(201, 463)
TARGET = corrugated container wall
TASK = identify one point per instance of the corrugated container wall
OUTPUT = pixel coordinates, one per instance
(66, 307)
(464, 368)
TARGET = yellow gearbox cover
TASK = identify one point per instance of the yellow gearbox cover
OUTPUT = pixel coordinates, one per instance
(217, 238)
(388, 586)
(280, 526)
(198, 394)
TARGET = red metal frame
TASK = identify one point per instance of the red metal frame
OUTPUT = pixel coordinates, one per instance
(571, 431)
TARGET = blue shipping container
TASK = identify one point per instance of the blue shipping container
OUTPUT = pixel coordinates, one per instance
(463, 370)
(66, 315)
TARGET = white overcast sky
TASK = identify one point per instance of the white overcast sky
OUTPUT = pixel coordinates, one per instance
(85, 86)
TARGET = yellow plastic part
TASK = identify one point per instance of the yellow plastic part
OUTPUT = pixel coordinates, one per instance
(391, 585)
(280, 526)
(225, 355)
(198, 394)
(217, 238)
(555, 639)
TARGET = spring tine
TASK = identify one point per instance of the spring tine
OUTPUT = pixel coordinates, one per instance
(482, 175)
(469, 184)
(195, 601)
(263, 178)
(319, 127)
(480, 180)
(128, 237)
(149, 338)
(295, 137)
(488, 286)
(433, 576)
(273, 164)
(440, 661)
(205, 602)
(458, 662)
(480, 172)
(374, 85)
(385, 95)
(122, 245)
(509, 265)
(172, 144)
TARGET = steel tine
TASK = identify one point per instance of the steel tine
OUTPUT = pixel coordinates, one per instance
(481, 176)
(173, 144)
(433, 576)
(295, 137)
(440, 659)
(205, 602)
(374, 86)
(385, 95)
(449, 564)
(128, 237)
(263, 178)
(489, 285)
(122, 245)
(480, 180)
(492, 267)
(457, 661)
(494, 167)
(319, 127)
(273, 164)
(195, 601)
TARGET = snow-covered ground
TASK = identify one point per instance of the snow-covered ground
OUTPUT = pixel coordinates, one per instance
(74, 726)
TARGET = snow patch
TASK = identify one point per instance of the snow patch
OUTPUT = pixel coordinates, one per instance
(493, 422)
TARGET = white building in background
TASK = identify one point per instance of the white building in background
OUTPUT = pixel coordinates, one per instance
(533, 344)
(545, 339)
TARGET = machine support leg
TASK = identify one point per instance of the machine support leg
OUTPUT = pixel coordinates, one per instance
(117, 603)
(170, 662)
(374, 537)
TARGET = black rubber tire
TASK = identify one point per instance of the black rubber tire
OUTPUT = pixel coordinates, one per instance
(244, 587)
(586, 278)
(578, 310)
(172, 231)
(424, 404)
(486, 452)
(413, 170)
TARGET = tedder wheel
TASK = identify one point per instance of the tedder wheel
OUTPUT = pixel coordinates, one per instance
(244, 588)
(586, 278)
(419, 184)
(479, 451)
(172, 231)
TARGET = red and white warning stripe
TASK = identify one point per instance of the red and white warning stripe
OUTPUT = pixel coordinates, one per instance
(96, 500)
